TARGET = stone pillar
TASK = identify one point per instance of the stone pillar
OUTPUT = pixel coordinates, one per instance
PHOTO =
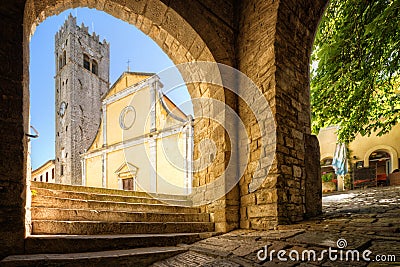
(104, 170)
(340, 183)
(104, 115)
(14, 122)
(274, 47)
(295, 31)
(189, 156)
(313, 184)
(153, 164)
(83, 160)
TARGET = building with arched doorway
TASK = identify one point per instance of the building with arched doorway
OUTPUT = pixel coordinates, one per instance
(380, 154)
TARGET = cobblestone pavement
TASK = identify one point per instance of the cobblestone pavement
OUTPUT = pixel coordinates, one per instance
(364, 219)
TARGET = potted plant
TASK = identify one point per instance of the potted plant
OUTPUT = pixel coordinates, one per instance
(327, 182)
(348, 182)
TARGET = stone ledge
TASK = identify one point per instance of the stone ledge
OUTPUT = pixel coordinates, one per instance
(135, 257)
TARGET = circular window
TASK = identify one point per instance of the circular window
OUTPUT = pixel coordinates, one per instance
(127, 117)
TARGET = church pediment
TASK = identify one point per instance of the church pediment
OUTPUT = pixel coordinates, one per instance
(126, 170)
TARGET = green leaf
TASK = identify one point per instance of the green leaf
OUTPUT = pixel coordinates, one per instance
(357, 49)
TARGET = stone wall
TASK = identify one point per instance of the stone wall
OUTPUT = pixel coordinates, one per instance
(256, 59)
(313, 186)
(295, 31)
(14, 117)
(274, 47)
(215, 24)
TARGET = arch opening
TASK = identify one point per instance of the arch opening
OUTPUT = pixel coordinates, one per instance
(361, 133)
(24, 15)
(91, 62)
(180, 48)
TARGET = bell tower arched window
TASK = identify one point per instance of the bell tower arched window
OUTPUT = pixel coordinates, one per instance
(86, 62)
(60, 63)
(64, 58)
(95, 67)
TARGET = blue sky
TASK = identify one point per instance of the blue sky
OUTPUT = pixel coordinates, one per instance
(126, 43)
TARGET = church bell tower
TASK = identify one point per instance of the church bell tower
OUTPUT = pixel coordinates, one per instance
(81, 80)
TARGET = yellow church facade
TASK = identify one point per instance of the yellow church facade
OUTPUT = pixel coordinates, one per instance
(144, 142)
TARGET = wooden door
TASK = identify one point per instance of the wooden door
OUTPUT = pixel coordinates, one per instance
(127, 184)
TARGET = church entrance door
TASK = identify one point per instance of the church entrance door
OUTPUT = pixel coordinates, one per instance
(127, 184)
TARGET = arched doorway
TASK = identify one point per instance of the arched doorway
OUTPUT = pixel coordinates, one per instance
(375, 169)
(380, 160)
(394, 162)
(182, 44)
(78, 105)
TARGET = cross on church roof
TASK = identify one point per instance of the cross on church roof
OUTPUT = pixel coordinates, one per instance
(128, 64)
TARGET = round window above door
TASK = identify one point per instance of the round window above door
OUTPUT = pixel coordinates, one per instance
(127, 117)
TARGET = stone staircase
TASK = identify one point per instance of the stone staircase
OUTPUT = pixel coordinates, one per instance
(84, 226)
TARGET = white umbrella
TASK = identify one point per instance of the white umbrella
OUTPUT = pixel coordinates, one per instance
(339, 163)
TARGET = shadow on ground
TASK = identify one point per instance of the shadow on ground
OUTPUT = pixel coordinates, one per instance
(359, 220)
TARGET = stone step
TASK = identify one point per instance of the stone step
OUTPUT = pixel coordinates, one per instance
(138, 257)
(56, 202)
(37, 244)
(194, 258)
(106, 197)
(49, 227)
(44, 213)
(105, 191)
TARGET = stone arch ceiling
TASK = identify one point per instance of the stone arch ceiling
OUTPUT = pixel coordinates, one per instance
(174, 32)
(174, 35)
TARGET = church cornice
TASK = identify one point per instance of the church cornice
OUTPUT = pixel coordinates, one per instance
(176, 129)
(129, 90)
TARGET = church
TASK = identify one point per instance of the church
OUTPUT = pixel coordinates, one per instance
(144, 142)
(129, 136)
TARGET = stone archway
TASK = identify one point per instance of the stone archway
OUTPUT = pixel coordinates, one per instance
(182, 44)
(269, 41)
(392, 152)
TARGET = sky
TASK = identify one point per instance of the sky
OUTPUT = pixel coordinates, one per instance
(126, 43)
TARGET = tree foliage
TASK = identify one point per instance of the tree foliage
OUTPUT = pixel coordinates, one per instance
(356, 83)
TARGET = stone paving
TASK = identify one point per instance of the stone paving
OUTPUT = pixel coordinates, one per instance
(359, 220)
